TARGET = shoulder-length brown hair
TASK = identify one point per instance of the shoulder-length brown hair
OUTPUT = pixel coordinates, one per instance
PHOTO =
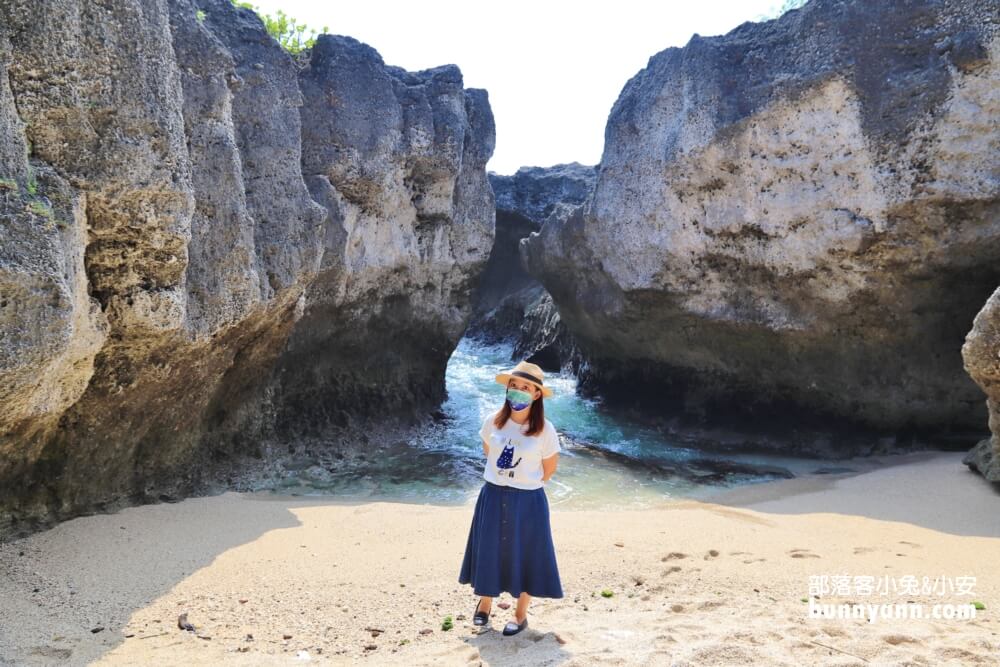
(536, 416)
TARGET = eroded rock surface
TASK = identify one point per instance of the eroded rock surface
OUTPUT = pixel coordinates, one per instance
(509, 304)
(981, 353)
(799, 218)
(203, 244)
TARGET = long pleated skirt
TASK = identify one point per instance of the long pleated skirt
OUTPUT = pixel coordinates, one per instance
(510, 544)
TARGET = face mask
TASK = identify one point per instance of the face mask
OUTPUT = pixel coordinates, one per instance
(518, 399)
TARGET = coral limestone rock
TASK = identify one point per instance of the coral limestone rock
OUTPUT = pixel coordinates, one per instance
(981, 353)
(800, 216)
(191, 222)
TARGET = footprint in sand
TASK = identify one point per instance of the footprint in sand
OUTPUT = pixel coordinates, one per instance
(52, 652)
(677, 608)
(673, 555)
(802, 553)
(896, 639)
(712, 553)
(754, 560)
(708, 605)
(864, 550)
(670, 570)
(910, 544)
(833, 632)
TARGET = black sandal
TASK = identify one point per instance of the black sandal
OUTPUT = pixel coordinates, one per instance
(513, 628)
(480, 617)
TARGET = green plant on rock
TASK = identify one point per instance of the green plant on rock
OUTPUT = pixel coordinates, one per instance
(447, 624)
(44, 210)
(8, 184)
(39, 208)
(32, 184)
(200, 15)
(293, 36)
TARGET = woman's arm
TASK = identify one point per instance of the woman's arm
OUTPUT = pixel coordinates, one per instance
(486, 449)
(549, 466)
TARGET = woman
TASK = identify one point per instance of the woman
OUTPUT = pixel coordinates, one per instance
(510, 541)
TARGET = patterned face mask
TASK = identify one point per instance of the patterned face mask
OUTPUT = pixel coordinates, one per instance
(518, 399)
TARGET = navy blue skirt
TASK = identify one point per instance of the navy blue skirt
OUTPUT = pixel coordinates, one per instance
(510, 544)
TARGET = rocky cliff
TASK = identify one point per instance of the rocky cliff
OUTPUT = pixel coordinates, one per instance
(205, 245)
(509, 304)
(981, 353)
(797, 219)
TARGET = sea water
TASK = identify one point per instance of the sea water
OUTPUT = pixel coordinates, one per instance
(621, 463)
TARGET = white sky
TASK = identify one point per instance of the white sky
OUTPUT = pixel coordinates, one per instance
(552, 68)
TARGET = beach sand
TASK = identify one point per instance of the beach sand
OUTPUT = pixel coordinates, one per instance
(694, 583)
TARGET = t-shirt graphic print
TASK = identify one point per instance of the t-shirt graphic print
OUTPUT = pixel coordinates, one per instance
(515, 459)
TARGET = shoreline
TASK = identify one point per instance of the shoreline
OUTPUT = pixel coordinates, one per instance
(695, 582)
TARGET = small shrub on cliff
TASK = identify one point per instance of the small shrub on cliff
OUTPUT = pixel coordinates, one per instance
(44, 211)
(287, 31)
(39, 208)
(32, 184)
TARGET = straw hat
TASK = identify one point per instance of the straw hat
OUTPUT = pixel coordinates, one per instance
(525, 371)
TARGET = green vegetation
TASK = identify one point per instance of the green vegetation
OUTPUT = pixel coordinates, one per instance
(447, 625)
(200, 15)
(978, 605)
(607, 592)
(8, 184)
(39, 208)
(32, 185)
(287, 31)
(44, 210)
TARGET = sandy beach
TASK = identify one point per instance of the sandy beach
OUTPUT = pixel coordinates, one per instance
(267, 580)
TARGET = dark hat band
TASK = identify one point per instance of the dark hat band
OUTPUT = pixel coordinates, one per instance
(527, 376)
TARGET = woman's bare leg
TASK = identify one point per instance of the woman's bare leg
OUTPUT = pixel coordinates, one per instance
(522, 608)
(485, 603)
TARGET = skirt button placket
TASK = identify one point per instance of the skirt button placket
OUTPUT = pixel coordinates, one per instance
(503, 507)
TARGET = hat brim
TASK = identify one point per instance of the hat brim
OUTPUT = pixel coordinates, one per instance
(504, 378)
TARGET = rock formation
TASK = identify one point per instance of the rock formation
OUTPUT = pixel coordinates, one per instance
(797, 219)
(509, 304)
(981, 353)
(204, 244)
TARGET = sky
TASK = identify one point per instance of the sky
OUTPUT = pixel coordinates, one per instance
(553, 69)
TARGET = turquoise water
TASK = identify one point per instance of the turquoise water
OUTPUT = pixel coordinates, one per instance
(622, 465)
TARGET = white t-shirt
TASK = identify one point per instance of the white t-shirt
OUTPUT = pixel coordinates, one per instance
(515, 459)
